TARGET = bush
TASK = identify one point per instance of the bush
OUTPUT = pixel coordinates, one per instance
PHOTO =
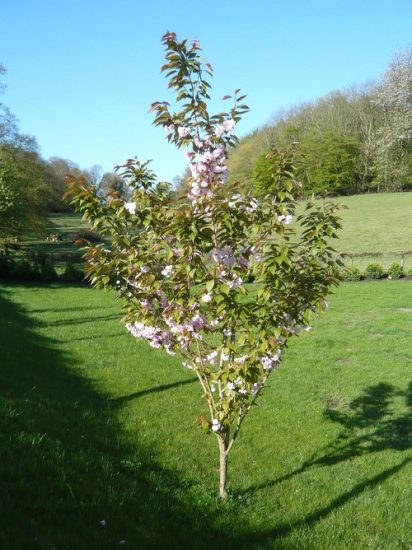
(87, 235)
(351, 274)
(395, 271)
(6, 265)
(23, 271)
(43, 266)
(72, 274)
(374, 271)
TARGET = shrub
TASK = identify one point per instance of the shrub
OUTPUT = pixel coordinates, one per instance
(54, 238)
(6, 265)
(70, 257)
(374, 271)
(351, 274)
(87, 235)
(395, 271)
(43, 266)
(72, 274)
(23, 271)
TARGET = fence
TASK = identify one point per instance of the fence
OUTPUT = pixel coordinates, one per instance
(361, 259)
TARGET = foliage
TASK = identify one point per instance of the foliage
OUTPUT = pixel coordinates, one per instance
(23, 192)
(359, 139)
(43, 266)
(374, 271)
(395, 271)
(351, 274)
(394, 136)
(181, 265)
(72, 273)
(329, 162)
(87, 235)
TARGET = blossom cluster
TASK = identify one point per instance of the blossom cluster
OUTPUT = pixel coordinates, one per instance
(207, 158)
(156, 337)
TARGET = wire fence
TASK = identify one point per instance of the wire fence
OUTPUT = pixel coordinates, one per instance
(352, 259)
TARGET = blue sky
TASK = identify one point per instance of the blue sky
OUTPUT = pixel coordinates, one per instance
(81, 75)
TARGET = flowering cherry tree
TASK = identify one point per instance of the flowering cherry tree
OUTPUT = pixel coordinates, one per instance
(182, 265)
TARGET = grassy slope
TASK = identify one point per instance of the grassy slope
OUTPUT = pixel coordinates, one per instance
(377, 223)
(99, 426)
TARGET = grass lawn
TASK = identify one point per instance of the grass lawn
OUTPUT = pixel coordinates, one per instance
(97, 426)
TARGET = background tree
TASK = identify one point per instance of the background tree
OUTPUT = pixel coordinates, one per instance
(23, 187)
(394, 144)
(371, 122)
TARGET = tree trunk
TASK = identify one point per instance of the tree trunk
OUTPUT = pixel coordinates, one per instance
(223, 444)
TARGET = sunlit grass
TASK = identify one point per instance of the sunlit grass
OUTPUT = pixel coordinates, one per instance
(98, 426)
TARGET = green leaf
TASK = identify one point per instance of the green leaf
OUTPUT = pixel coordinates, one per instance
(210, 285)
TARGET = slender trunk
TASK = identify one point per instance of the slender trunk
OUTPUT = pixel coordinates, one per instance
(223, 451)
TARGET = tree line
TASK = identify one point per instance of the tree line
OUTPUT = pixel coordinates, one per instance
(30, 186)
(353, 141)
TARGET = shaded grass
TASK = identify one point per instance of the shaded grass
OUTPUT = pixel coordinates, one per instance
(99, 426)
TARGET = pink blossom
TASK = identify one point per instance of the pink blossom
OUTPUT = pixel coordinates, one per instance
(183, 131)
(212, 357)
(167, 271)
(198, 142)
(216, 425)
(285, 218)
(228, 125)
(219, 131)
(130, 207)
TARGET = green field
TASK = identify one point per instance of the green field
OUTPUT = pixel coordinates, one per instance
(377, 224)
(97, 426)
(376, 227)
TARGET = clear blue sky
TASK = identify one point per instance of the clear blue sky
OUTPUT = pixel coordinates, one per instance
(82, 74)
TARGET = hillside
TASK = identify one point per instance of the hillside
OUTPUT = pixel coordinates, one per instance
(380, 224)
(350, 141)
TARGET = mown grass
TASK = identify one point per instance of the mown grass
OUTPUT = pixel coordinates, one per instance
(98, 426)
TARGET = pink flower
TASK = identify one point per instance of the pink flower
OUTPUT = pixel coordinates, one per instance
(219, 131)
(130, 207)
(228, 125)
(167, 271)
(183, 131)
(215, 425)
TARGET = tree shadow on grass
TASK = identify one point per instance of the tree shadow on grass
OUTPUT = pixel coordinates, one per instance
(155, 389)
(311, 519)
(380, 419)
(69, 477)
(81, 321)
(371, 423)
